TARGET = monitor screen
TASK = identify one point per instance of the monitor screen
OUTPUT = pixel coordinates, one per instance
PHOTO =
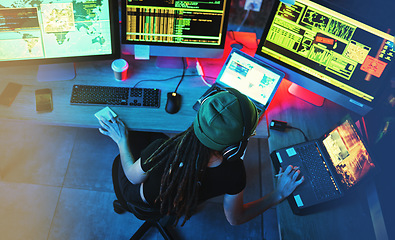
(175, 28)
(329, 52)
(46, 31)
(348, 153)
(251, 77)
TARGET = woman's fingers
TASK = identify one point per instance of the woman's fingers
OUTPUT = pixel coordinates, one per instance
(288, 169)
(299, 181)
(111, 117)
(295, 175)
(104, 132)
(103, 123)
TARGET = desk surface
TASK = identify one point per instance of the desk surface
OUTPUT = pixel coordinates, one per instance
(100, 73)
(347, 218)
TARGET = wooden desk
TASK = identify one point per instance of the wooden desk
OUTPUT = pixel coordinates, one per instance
(100, 73)
(347, 218)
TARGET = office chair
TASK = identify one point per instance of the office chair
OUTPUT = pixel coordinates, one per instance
(151, 216)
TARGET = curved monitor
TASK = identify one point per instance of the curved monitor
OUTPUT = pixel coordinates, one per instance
(47, 32)
(329, 52)
(174, 28)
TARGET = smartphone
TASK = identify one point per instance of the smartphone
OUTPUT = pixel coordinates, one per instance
(9, 93)
(44, 100)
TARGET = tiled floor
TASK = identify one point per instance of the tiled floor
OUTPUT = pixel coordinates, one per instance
(55, 183)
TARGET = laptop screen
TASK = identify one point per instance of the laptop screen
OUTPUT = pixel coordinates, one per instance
(348, 153)
(250, 77)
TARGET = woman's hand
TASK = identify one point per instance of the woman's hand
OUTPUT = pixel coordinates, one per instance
(115, 129)
(287, 182)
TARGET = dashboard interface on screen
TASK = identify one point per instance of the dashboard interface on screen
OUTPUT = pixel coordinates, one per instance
(333, 48)
(47, 29)
(250, 78)
(186, 23)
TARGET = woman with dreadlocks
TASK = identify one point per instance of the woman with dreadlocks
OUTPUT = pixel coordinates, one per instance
(203, 162)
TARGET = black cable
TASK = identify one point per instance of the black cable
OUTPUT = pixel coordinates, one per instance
(163, 80)
(183, 74)
(304, 135)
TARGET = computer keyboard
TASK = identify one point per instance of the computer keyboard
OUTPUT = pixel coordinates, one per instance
(322, 182)
(115, 96)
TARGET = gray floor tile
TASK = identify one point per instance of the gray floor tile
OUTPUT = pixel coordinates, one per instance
(270, 225)
(266, 168)
(210, 223)
(252, 164)
(85, 214)
(91, 161)
(32, 153)
(26, 210)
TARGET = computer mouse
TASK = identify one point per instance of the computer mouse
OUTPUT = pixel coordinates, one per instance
(173, 102)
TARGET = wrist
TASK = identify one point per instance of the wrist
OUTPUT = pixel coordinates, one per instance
(278, 197)
(123, 143)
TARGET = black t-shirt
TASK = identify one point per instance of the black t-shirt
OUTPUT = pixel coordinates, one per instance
(227, 178)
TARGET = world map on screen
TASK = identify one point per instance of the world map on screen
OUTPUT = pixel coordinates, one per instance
(36, 29)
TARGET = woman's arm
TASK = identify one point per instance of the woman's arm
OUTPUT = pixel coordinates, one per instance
(237, 212)
(116, 130)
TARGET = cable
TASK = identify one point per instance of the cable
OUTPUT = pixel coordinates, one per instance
(305, 138)
(200, 71)
(242, 22)
(163, 80)
(282, 126)
(183, 74)
(242, 44)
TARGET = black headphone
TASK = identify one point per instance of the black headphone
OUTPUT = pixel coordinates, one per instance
(237, 151)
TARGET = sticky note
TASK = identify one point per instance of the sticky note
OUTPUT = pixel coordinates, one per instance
(291, 152)
(141, 52)
(280, 160)
(105, 113)
(298, 200)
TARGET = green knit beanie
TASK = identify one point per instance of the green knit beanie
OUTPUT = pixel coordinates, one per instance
(219, 121)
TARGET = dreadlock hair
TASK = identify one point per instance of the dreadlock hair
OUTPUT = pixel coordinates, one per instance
(186, 160)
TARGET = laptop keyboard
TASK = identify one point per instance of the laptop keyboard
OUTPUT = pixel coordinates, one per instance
(321, 180)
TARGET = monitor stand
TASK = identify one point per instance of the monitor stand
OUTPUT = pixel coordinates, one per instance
(142, 52)
(306, 95)
(56, 72)
(170, 62)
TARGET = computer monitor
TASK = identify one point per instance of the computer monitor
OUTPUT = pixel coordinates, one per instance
(55, 32)
(174, 28)
(329, 52)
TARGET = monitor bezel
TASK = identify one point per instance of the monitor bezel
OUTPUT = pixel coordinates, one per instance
(169, 46)
(115, 46)
(329, 91)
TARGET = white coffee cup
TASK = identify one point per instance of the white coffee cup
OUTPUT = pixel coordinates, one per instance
(120, 68)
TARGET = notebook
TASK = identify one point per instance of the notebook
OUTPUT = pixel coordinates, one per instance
(331, 166)
(255, 79)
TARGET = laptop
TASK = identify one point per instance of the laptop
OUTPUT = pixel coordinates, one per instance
(331, 166)
(255, 79)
